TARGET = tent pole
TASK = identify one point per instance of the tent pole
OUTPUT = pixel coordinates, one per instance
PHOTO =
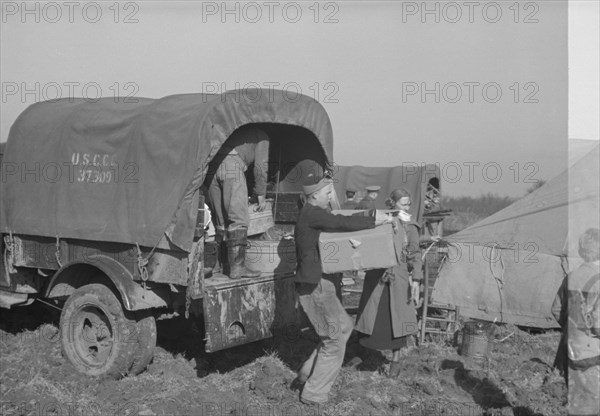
(277, 186)
(425, 301)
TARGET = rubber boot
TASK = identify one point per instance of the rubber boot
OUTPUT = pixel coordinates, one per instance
(236, 254)
(219, 268)
(219, 237)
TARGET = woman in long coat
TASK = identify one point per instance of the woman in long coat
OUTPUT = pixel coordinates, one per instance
(387, 312)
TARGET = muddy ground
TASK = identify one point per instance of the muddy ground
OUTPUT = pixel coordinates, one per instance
(515, 379)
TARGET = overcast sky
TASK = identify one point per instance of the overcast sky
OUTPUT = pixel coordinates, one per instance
(485, 89)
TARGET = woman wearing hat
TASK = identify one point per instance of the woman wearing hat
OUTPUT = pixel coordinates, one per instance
(387, 312)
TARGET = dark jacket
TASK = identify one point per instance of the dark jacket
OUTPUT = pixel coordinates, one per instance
(351, 204)
(366, 203)
(311, 221)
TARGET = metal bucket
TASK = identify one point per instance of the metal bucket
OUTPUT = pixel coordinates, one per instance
(271, 256)
(475, 340)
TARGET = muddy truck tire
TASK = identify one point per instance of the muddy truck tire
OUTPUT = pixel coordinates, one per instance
(99, 338)
(146, 341)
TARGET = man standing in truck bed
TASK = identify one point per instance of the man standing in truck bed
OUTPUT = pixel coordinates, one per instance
(228, 193)
(317, 291)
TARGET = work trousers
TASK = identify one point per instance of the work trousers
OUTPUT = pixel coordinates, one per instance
(334, 327)
(228, 194)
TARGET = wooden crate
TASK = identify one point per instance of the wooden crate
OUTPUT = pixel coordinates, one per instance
(260, 221)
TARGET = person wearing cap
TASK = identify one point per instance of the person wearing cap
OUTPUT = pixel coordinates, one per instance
(350, 202)
(386, 314)
(228, 195)
(368, 202)
(317, 291)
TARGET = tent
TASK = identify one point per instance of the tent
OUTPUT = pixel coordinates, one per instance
(509, 266)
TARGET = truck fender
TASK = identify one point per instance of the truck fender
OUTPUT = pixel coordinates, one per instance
(134, 296)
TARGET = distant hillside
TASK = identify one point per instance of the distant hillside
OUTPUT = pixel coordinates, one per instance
(468, 210)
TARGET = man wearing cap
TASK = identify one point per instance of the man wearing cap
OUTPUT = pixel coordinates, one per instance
(350, 202)
(317, 291)
(228, 194)
(368, 202)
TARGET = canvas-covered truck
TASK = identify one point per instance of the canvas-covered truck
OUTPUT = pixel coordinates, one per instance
(101, 212)
(102, 215)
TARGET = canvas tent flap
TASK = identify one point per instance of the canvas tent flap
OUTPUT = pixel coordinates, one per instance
(493, 284)
(129, 170)
(414, 178)
(536, 241)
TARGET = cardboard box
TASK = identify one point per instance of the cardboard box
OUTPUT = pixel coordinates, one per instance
(357, 250)
(349, 212)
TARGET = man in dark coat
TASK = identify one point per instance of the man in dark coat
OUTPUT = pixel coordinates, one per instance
(368, 202)
(317, 291)
(228, 193)
(350, 202)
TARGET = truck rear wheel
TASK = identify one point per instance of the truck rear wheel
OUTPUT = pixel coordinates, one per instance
(98, 337)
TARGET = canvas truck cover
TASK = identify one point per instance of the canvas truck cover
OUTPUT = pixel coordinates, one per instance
(128, 170)
(412, 177)
(508, 267)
